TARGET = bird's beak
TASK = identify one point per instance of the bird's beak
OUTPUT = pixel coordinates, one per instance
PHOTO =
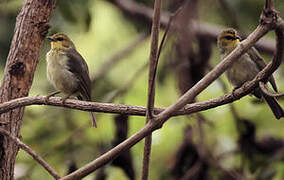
(50, 38)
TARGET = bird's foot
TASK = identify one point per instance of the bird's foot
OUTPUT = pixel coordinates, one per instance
(50, 95)
(65, 98)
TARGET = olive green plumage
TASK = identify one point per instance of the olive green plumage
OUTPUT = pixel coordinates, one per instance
(246, 68)
(67, 70)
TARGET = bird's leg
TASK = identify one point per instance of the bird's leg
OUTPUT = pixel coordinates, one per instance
(52, 94)
(64, 99)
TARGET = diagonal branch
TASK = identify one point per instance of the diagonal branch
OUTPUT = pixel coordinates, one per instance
(31, 152)
(162, 117)
(150, 127)
(134, 110)
(260, 31)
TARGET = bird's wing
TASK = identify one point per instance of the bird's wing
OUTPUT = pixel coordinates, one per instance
(78, 66)
(259, 61)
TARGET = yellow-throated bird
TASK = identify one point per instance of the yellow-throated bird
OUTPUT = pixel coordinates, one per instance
(246, 68)
(67, 70)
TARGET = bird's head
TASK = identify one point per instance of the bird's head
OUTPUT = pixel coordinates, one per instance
(60, 42)
(228, 40)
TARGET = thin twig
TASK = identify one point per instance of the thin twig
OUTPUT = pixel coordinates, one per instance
(31, 152)
(153, 58)
(265, 90)
(153, 63)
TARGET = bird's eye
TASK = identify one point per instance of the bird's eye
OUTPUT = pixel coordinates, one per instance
(229, 38)
(59, 39)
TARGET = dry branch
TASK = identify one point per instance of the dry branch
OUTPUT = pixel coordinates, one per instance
(153, 63)
(158, 121)
(175, 109)
(30, 30)
(265, 90)
(131, 110)
(31, 152)
(215, 73)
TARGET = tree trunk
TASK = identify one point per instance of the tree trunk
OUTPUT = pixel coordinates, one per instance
(30, 30)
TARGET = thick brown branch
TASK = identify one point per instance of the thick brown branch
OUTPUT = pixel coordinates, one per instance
(31, 152)
(30, 30)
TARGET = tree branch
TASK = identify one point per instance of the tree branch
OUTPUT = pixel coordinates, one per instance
(31, 152)
(153, 59)
(168, 112)
(153, 63)
(215, 73)
(265, 90)
(131, 110)
(265, 45)
(30, 30)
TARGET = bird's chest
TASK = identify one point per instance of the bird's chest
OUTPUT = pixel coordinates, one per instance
(244, 69)
(58, 74)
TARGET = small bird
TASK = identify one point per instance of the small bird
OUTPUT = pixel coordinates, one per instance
(67, 71)
(246, 68)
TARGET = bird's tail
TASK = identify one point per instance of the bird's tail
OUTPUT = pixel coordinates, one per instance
(93, 116)
(274, 106)
(93, 119)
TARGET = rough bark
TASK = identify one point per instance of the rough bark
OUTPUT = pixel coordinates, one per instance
(30, 30)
